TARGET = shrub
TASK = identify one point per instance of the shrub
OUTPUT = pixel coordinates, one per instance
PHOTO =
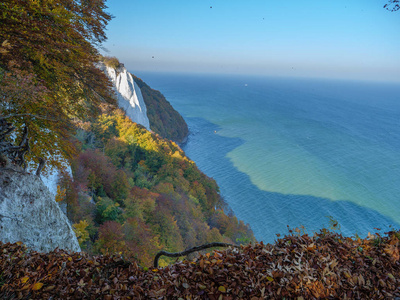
(111, 62)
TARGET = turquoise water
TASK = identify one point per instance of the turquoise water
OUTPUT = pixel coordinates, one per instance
(294, 151)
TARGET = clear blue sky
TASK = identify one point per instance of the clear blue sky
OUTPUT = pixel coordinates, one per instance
(355, 39)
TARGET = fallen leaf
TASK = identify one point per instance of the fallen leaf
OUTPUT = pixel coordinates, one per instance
(49, 288)
(24, 279)
(185, 285)
(222, 289)
(37, 286)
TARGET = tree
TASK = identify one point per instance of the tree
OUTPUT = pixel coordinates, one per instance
(107, 210)
(48, 73)
(81, 232)
(393, 5)
(111, 239)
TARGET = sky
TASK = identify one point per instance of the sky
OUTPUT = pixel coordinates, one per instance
(347, 39)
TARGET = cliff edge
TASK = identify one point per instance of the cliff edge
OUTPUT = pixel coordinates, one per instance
(164, 119)
(128, 94)
(29, 214)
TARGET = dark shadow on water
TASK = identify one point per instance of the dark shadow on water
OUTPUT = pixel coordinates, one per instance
(269, 213)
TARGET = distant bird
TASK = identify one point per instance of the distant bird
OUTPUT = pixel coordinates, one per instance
(210, 6)
(152, 57)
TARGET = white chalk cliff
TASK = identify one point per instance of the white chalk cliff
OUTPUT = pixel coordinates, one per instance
(130, 99)
(128, 93)
(29, 214)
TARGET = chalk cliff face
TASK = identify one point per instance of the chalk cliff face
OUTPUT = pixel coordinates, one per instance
(28, 213)
(129, 96)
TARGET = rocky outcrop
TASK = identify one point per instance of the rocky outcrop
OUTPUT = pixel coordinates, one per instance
(128, 93)
(29, 214)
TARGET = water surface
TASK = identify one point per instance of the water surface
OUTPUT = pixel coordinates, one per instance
(294, 151)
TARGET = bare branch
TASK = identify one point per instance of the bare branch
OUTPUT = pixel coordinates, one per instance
(42, 162)
(11, 153)
(191, 250)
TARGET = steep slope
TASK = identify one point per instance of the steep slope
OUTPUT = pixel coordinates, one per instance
(134, 193)
(128, 93)
(29, 214)
(164, 119)
(142, 104)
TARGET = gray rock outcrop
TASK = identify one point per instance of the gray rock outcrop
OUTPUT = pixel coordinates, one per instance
(28, 213)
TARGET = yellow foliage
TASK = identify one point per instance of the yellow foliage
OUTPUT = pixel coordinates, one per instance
(111, 62)
(80, 231)
(25, 279)
(37, 286)
(60, 194)
(177, 154)
(162, 263)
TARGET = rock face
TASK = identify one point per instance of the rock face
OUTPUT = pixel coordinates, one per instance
(128, 93)
(28, 213)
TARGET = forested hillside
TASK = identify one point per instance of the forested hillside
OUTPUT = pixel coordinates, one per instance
(135, 193)
(132, 192)
(164, 119)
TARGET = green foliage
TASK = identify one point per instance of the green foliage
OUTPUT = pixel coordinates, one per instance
(107, 210)
(164, 119)
(111, 62)
(148, 194)
(48, 77)
(133, 192)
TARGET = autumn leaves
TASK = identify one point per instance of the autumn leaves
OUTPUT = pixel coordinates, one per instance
(325, 266)
(48, 76)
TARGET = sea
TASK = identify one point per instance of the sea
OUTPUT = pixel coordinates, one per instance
(294, 153)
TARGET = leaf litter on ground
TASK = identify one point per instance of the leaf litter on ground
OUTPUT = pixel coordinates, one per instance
(324, 266)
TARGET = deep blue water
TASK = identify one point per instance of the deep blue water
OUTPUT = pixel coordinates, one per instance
(294, 151)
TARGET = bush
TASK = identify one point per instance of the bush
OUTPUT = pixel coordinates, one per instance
(111, 62)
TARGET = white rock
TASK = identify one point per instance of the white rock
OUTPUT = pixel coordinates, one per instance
(128, 93)
(51, 179)
(28, 213)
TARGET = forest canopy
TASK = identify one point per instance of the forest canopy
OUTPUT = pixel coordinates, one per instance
(48, 77)
(135, 193)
